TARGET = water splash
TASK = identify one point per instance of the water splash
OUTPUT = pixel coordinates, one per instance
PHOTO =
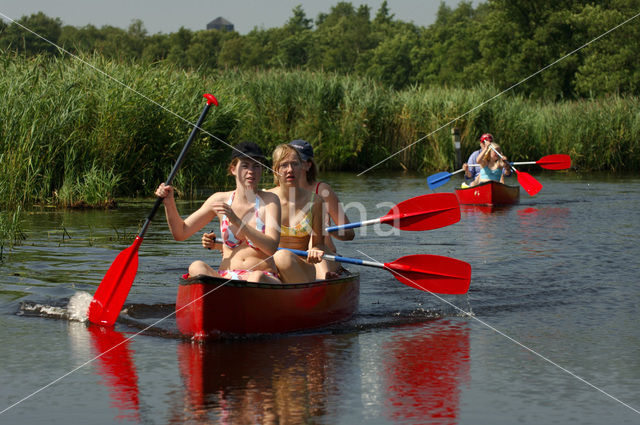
(79, 306)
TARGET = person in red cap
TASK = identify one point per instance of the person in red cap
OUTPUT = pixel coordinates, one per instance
(471, 168)
(470, 173)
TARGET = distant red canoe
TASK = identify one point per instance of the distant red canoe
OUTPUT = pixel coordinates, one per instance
(489, 193)
(208, 307)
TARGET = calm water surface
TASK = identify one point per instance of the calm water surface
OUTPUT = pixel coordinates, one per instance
(553, 337)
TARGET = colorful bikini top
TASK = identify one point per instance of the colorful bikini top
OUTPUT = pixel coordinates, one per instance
(228, 238)
(304, 226)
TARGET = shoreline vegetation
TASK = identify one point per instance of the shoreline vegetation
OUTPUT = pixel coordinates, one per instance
(360, 87)
(72, 137)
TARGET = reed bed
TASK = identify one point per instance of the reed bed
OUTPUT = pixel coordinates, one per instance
(71, 136)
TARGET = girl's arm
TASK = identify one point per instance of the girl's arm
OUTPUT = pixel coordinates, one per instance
(316, 251)
(182, 229)
(336, 212)
(268, 241)
(483, 156)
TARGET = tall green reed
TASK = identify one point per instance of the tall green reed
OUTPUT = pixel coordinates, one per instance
(69, 135)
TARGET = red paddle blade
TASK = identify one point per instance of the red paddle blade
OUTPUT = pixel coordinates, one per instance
(425, 212)
(433, 273)
(529, 183)
(114, 288)
(555, 162)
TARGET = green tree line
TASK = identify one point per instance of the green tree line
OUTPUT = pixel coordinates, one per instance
(498, 42)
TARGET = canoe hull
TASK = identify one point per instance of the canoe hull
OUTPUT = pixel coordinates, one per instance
(208, 307)
(489, 193)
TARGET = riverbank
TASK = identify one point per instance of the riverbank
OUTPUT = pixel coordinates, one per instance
(73, 135)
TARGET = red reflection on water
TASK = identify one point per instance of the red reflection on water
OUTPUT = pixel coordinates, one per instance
(117, 369)
(538, 224)
(484, 209)
(423, 372)
(261, 381)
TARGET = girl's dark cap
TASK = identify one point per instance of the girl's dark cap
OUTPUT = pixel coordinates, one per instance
(247, 149)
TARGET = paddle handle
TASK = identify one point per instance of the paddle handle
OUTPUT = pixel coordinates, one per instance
(340, 259)
(446, 177)
(211, 100)
(353, 225)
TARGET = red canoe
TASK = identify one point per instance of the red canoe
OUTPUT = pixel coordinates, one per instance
(208, 307)
(489, 193)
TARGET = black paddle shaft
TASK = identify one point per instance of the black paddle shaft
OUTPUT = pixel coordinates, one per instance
(174, 170)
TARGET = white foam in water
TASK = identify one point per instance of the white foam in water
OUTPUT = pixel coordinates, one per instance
(45, 310)
(79, 305)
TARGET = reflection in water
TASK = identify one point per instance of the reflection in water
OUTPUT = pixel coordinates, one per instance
(481, 221)
(117, 369)
(472, 210)
(423, 371)
(532, 220)
(273, 381)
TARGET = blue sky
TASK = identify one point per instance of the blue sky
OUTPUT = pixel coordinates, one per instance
(169, 15)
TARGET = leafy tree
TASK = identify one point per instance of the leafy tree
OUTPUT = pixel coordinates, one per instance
(383, 17)
(82, 39)
(116, 43)
(21, 36)
(447, 52)
(610, 65)
(390, 62)
(340, 37)
(156, 48)
(299, 21)
(293, 46)
(178, 44)
(204, 49)
(231, 51)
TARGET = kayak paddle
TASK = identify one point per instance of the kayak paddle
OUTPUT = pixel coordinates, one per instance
(526, 180)
(550, 162)
(114, 288)
(424, 212)
(438, 179)
(430, 273)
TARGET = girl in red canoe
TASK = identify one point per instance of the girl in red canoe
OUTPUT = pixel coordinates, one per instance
(332, 207)
(249, 222)
(492, 166)
(301, 223)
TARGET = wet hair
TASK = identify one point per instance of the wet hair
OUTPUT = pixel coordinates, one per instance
(279, 154)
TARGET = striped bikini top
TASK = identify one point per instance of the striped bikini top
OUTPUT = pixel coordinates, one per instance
(304, 226)
(228, 238)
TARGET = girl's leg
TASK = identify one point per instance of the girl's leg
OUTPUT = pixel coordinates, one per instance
(259, 276)
(327, 269)
(293, 269)
(200, 267)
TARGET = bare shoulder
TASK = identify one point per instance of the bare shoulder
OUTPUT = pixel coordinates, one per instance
(322, 186)
(218, 197)
(326, 192)
(268, 196)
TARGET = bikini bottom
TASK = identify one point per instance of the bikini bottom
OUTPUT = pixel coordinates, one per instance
(243, 274)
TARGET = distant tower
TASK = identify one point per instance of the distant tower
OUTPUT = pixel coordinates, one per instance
(220, 24)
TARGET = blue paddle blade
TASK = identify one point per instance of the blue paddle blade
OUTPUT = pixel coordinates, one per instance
(438, 179)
